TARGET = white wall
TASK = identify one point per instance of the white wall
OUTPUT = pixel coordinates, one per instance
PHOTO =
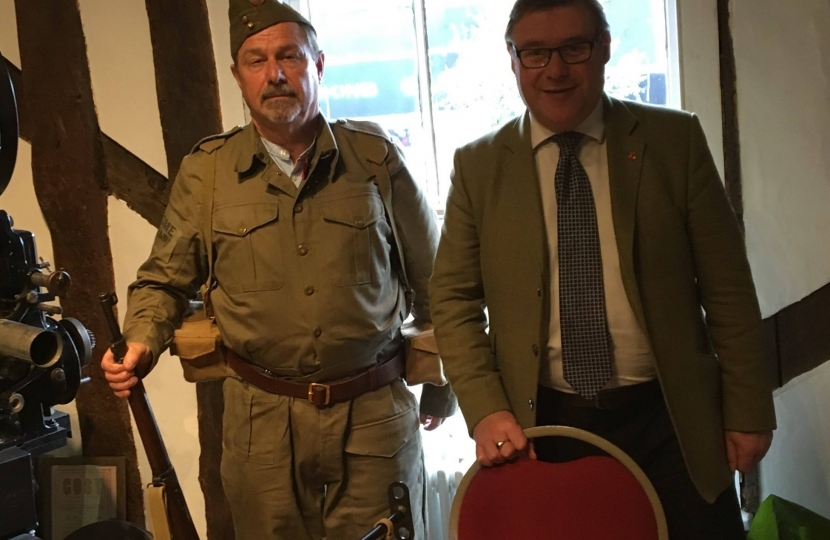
(797, 467)
(699, 62)
(783, 62)
(783, 72)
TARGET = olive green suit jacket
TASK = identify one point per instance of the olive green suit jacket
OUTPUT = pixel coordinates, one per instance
(683, 265)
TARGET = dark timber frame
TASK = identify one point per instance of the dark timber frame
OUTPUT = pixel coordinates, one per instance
(73, 195)
(69, 175)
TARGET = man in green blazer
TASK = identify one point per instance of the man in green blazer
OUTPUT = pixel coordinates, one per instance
(595, 239)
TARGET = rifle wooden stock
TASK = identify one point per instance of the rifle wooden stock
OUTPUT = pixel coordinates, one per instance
(181, 524)
(178, 515)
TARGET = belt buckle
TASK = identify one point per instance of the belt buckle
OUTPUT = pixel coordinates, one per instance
(313, 393)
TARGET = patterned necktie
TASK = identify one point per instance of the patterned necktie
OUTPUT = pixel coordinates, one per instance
(586, 342)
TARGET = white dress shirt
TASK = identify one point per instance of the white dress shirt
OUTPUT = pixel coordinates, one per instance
(633, 360)
(295, 171)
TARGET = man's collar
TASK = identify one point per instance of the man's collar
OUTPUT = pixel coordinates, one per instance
(326, 145)
(251, 147)
(254, 148)
(593, 127)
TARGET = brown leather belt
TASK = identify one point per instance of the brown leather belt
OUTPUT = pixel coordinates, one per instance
(318, 393)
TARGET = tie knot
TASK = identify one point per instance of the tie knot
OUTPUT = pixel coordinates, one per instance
(568, 141)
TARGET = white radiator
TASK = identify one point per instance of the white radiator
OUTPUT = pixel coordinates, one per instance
(448, 451)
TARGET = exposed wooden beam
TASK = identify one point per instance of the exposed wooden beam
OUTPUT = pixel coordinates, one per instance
(68, 171)
(773, 353)
(188, 94)
(135, 182)
(186, 82)
(729, 101)
(801, 335)
(128, 177)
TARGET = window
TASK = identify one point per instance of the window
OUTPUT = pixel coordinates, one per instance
(435, 73)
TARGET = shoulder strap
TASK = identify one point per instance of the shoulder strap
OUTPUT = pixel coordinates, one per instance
(213, 142)
(385, 187)
(208, 186)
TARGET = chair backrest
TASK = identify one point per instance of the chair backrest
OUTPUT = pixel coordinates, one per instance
(592, 498)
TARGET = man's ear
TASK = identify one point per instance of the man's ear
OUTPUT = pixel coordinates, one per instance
(321, 61)
(605, 46)
(512, 58)
(235, 72)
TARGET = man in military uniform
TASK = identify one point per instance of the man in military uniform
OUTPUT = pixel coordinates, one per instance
(308, 295)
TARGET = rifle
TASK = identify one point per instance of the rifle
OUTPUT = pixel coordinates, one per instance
(164, 476)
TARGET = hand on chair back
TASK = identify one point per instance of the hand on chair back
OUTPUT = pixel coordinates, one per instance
(500, 438)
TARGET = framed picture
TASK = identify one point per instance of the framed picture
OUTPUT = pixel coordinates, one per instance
(77, 491)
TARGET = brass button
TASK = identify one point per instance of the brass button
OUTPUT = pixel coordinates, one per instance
(251, 25)
(245, 18)
(302, 250)
(318, 332)
(298, 209)
(530, 404)
(309, 290)
(359, 223)
(539, 292)
(243, 230)
(535, 350)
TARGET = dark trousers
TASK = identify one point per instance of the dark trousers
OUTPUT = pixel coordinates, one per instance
(640, 425)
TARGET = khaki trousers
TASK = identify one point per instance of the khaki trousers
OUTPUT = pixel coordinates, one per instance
(294, 471)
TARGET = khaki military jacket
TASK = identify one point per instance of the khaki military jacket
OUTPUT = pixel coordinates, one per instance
(306, 283)
(683, 264)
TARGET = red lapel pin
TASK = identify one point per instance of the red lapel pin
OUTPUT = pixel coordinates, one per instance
(632, 156)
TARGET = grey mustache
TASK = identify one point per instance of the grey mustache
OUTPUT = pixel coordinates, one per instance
(279, 91)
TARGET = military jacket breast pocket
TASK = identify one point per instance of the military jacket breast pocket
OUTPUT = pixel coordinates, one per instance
(248, 256)
(357, 229)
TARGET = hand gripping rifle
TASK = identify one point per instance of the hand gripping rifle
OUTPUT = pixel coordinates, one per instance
(164, 476)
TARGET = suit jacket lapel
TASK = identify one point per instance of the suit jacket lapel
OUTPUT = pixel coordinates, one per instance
(626, 151)
(521, 164)
(522, 186)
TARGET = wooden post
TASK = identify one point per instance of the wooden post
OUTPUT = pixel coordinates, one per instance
(186, 83)
(729, 103)
(188, 94)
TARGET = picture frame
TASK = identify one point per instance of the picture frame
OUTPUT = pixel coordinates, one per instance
(77, 491)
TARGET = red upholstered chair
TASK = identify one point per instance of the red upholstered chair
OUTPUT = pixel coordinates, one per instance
(593, 498)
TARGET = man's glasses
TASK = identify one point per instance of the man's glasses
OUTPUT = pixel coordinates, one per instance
(572, 53)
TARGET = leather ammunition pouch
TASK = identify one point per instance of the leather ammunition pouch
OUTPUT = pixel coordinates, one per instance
(423, 364)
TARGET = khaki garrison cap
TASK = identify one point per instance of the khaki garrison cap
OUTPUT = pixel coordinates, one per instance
(247, 17)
